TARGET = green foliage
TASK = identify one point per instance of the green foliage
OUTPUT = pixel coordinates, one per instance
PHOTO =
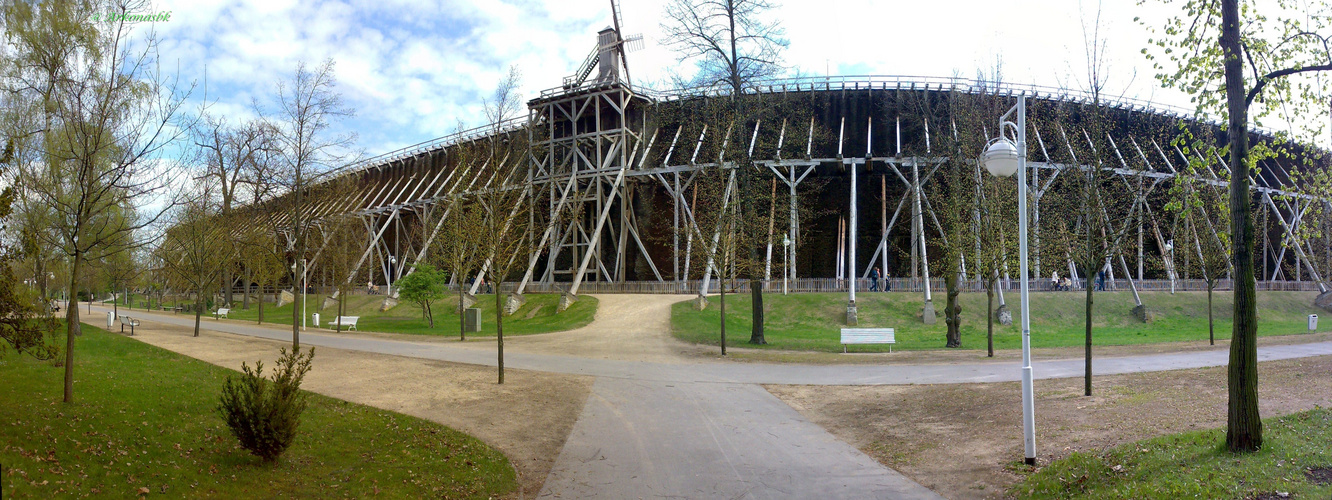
(146, 420)
(264, 414)
(1191, 465)
(423, 286)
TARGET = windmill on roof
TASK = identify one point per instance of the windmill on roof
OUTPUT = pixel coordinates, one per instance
(608, 57)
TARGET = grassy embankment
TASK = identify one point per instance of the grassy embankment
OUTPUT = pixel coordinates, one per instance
(143, 419)
(811, 321)
(1296, 454)
(536, 316)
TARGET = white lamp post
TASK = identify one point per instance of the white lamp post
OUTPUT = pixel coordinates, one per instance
(1003, 158)
(393, 263)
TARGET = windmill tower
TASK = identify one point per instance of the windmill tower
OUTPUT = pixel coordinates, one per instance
(608, 57)
(588, 134)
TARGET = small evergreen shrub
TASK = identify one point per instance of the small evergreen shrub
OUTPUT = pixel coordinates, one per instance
(262, 413)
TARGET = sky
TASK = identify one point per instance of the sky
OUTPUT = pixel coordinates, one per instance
(417, 70)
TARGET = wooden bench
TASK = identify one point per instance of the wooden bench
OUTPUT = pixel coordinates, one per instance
(868, 336)
(346, 321)
(126, 320)
(221, 312)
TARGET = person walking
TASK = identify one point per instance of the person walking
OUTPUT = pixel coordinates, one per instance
(874, 280)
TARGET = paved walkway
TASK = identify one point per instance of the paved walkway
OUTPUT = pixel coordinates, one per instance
(663, 429)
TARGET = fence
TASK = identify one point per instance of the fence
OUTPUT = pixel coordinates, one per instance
(832, 285)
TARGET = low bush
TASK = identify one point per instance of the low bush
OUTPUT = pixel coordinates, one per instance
(264, 414)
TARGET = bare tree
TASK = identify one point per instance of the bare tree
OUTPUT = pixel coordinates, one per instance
(194, 252)
(506, 200)
(307, 153)
(733, 44)
(229, 153)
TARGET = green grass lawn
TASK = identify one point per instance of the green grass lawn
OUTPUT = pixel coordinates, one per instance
(536, 316)
(1196, 465)
(811, 321)
(144, 417)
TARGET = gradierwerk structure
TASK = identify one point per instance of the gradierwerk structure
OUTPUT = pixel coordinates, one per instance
(624, 159)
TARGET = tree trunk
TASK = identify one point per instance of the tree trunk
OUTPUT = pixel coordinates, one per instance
(989, 319)
(462, 320)
(756, 296)
(261, 305)
(245, 294)
(229, 281)
(499, 327)
(1244, 427)
(1211, 331)
(342, 310)
(295, 307)
(198, 312)
(72, 326)
(952, 313)
(1087, 368)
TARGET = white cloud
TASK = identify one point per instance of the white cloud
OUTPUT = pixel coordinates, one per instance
(414, 69)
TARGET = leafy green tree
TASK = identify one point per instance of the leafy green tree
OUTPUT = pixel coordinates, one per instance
(106, 119)
(21, 324)
(423, 286)
(1284, 48)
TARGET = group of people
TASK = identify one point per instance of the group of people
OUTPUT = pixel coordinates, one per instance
(875, 276)
(1058, 284)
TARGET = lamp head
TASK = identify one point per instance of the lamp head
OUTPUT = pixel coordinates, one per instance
(1001, 158)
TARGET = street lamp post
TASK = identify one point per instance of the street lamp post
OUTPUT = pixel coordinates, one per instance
(393, 263)
(1003, 158)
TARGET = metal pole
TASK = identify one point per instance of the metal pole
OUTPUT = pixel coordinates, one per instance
(1028, 396)
(851, 234)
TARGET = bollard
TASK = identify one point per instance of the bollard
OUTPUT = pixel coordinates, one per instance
(472, 319)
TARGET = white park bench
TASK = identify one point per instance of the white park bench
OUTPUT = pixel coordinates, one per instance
(221, 312)
(126, 320)
(348, 322)
(868, 336)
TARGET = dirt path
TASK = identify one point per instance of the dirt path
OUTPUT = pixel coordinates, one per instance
(626, 327)
(528, 418)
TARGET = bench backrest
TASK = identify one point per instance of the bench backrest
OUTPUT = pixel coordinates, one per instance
(223, 310)
(868, 336)
(346, 320)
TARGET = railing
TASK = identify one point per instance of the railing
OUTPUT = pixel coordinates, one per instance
(829, 285)
(441, 142)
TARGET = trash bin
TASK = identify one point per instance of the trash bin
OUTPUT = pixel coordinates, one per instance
(315, 319)
(1313, 322)
(472, 319)
(111, 320)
